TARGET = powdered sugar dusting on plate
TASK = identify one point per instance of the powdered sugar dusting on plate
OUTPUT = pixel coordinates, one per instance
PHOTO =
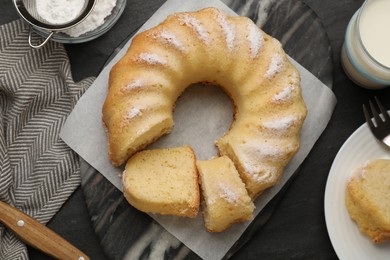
(193, 23)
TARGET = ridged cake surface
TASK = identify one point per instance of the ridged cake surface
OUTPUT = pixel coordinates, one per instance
(212, 47)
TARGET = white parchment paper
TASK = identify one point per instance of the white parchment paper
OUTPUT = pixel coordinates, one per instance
(202, 115)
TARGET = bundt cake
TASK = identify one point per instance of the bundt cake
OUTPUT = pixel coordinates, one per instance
(225, 200)
(163, 181)
(211, 47)
(368, 199)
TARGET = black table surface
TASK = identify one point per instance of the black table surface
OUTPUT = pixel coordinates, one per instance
(300, 214)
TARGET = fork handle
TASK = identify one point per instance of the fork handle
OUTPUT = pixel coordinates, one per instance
(38, 235)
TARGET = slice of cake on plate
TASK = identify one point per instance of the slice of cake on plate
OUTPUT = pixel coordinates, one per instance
(368, 199)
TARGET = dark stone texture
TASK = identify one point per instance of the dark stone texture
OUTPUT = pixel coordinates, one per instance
(96, 218)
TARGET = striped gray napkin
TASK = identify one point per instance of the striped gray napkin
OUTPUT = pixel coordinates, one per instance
(38, 171)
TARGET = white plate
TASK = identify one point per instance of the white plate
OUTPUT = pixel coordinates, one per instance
(344, 234)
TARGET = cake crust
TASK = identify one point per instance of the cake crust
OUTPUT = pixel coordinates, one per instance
(163, 181)
(225, 199)
(368, 199)
(229, 51)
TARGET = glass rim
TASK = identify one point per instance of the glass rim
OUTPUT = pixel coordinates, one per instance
(362, 8)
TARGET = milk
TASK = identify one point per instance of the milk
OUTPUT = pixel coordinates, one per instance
(366, 54)
(374, 28)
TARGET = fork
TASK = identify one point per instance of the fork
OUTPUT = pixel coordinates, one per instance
(380, 126)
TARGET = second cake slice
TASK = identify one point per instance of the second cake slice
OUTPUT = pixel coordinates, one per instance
(225, 199)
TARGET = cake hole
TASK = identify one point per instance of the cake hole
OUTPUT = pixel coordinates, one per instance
(202, 115)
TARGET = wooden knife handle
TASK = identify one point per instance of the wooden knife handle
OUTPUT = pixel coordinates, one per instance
(38, 235)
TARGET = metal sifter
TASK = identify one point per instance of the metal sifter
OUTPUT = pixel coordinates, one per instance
(27, 9)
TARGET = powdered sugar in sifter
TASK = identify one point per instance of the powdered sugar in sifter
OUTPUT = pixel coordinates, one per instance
(52, 15)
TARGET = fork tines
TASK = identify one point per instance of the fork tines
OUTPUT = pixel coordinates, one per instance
(381, 128)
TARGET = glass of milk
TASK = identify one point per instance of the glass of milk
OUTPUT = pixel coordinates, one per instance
(365, 55)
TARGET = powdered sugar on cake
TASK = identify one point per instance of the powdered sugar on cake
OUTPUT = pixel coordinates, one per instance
(227, 30)
(263, 175)
(363, 173)
(264, 150)
(151, 58)
(255, 38)
(281, 124)
(135, 84)
(130, 114)
(133, 112)
(275, 66)
(195, 24)
(210, 201)
(228, 194)
(251, 168)
(258, 172)
(255, 152)
(283, 95)
(170, 39)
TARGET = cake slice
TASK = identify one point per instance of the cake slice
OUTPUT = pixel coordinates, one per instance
(163, 181)
(225, 199)
(368, 199)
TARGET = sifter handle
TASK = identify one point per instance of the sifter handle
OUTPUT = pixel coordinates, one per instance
(40, 45)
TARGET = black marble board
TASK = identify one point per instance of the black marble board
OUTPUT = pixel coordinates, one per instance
(125, 232)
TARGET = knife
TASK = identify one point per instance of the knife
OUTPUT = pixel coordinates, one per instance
(38, 235)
